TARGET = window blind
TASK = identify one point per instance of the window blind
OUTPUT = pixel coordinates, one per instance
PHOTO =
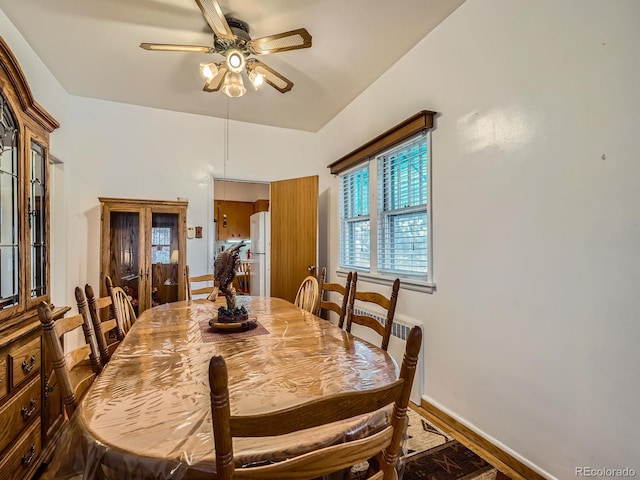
(402, 232)
(355, 225)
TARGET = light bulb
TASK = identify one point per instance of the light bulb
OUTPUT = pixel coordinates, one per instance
(208, 70)
(257, 79)
(233, 85)
(235, 60)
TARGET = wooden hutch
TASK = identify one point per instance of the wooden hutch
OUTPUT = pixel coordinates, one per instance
(31, 412)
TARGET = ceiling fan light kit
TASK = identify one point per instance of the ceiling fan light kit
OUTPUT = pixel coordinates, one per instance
(233, 85)
(235, 60)
(209, 70)
(231, 40)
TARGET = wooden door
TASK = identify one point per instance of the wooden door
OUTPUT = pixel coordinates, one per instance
(294, 233)
(123, 250)
(165, 254)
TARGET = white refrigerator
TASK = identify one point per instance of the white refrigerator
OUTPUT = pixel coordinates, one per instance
(260, 276)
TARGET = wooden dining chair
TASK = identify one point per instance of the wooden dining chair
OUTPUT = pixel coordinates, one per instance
(123, 310)
(198, 288)
(76, 369)
(108, 332)
(383, 445)
(364, 317)
(308, 295)
(327, 304)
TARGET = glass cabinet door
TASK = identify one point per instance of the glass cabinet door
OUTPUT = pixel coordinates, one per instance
(165, 255)
(125, 261)
(9, 203)
(38, 221)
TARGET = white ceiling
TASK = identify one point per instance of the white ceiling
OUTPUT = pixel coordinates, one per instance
(92, 47)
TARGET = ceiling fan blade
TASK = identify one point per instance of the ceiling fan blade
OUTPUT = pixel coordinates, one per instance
(282, 42)
(272, 77)
(216, 82)
(168, 47)
(215, 18)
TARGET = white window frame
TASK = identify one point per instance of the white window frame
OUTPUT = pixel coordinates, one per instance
(423, 283)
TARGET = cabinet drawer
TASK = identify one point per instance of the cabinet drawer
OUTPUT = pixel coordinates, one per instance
(23, 456)
(4, 383)
(24, 361)
(18, 412)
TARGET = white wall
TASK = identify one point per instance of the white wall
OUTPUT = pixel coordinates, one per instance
(138, 152)
(240, 191)
(532, 334)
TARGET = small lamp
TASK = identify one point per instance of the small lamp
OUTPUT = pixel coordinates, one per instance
(233, 85)
(256, 79)
(174, 256)
(208, 70)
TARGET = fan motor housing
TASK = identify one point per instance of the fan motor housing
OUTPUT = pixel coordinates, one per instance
(239, 28)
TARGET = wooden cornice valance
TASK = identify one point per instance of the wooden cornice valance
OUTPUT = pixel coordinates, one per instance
(422, 120)
(18, 81)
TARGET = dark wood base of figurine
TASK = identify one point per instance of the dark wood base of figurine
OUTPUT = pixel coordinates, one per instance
(233, 327)
(235, 318)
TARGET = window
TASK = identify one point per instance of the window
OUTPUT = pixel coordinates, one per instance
(160, 245)
(402, 210)
(354, 217)
(385, 217)
(399, 226)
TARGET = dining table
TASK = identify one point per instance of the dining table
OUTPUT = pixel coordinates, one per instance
(148, 414)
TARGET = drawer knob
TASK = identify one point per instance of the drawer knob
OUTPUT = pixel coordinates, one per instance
(27, 459)
(28, 366)
(26, 413)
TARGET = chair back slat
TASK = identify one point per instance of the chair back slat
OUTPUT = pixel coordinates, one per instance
(73, 372)
(327, 304)
(93, 306)
(74, 357)
(122, 309)
(368, 322)
(308, 295)
(193, 290)
(125, 313)
(379, 301)
(66, 324)
(383, 445)
(316, 412)
(317, 464)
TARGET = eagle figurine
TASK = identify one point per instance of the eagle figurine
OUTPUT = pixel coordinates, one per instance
(224, 268)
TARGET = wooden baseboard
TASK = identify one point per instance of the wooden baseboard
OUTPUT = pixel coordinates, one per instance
(504, 462)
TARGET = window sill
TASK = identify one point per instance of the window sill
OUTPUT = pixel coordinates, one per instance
(405, 283)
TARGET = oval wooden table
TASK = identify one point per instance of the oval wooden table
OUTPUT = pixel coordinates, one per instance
(148, 413)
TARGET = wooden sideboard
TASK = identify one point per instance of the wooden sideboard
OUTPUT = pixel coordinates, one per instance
(31, 409)
(31, 412)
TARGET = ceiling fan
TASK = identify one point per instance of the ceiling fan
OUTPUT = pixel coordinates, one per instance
(231, 40)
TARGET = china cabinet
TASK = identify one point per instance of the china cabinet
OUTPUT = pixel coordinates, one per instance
(144, 250)
(30, 407)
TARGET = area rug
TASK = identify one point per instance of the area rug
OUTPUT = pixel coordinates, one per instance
(431, 454)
